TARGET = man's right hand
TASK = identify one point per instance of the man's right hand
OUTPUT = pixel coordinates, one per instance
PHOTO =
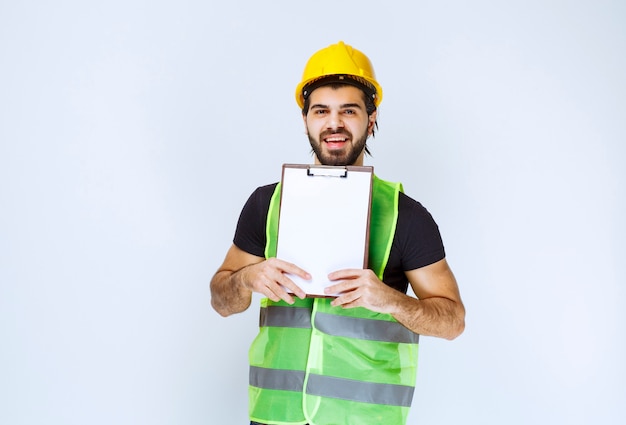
(242, 273)
(269, 277)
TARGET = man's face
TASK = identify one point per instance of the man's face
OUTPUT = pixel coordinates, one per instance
(338, 125)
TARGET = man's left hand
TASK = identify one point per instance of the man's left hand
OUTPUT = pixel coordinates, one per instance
(361, 288)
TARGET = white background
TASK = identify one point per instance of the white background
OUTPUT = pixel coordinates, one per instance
(132, 132)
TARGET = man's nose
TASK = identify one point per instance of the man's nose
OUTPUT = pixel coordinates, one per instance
(334, 121)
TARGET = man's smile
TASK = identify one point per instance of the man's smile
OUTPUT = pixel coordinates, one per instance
(335, 140)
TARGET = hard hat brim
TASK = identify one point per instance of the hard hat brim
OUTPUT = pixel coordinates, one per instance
(370, 88)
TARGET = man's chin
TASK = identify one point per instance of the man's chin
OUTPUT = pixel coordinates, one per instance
(334, 160)
(336, 157)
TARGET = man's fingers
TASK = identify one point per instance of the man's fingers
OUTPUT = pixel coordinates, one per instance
(342, 288)
(272, 289)
(293, 269)
(346, 299)
(281, 285)
(285, 268)
(287, 283)
(270, 279)
(346, 274)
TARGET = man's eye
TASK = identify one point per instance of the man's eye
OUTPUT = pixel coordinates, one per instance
(349, 111)
(319, 112)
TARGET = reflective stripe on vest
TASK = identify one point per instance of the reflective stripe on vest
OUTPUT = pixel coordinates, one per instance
(338, 361)
(276, 379)
(327, 386)
(346, 326)
(366, 392)
(375, 330)
(288, 317)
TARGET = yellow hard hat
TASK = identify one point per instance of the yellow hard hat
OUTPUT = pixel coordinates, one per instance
(339, 63)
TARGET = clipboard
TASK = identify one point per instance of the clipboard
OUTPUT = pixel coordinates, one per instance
(323, 223)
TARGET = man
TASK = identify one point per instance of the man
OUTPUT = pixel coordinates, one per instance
(350, 359)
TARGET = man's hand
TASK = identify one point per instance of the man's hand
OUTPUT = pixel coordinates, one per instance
(269, 278)
(361, 288)
(437, 310)
(243, 273)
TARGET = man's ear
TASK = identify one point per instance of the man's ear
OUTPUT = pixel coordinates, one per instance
(371, 123)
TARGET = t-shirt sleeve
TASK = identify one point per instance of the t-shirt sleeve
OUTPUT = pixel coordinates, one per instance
(418, 235)
(250, 232)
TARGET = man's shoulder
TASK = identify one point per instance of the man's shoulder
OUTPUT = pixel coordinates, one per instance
(405, 199)
(264, 192)
(408, 201)
(411, 209)
(268, 188)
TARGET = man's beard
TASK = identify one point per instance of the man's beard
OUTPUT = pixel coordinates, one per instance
(343, 157)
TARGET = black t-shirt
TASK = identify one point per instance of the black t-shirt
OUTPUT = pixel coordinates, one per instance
(417, 242)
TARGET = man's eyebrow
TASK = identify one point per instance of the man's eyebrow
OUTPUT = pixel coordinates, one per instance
(344, 106)
(351, 105)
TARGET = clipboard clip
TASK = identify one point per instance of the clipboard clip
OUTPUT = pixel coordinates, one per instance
(327, 171)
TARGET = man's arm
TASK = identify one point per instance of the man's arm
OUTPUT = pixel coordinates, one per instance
(438, 310)
(242, 273)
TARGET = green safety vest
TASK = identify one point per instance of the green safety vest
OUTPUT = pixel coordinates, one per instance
(315, 364)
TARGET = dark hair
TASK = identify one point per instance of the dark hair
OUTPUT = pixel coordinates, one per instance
(370, 106)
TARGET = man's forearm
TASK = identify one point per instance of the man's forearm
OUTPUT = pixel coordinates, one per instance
(229, 295)
(435, 316)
